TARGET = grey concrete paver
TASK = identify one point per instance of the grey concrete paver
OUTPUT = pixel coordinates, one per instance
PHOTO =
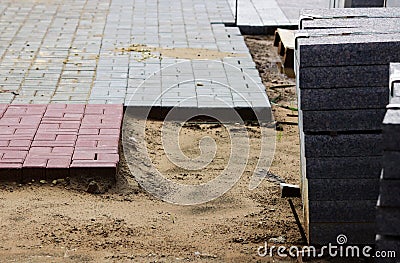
(273, 13)
(70, 52)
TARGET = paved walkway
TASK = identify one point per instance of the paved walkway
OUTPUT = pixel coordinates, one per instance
(273, 13)
(96, 51)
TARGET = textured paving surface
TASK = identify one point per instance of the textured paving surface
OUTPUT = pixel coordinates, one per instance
(72, 52)
(272, 13)
(45, 141)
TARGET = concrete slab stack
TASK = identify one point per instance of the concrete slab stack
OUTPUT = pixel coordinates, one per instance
(342, 77)
(388, 207)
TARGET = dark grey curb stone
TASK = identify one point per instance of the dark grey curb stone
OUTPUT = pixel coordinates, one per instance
(356, 233)
(342, 211)
(388, 221)
(343, 145)
(390, 163)
(389, 193)
(352, 25)
(346, 50)
(344, 98)
(343, 189)
(343, 77)
(343, 120)
(351, 12)
(368, 167)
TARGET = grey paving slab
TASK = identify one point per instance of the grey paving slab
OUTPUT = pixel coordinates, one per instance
(272, 13)
(70, 51)
(292, 8)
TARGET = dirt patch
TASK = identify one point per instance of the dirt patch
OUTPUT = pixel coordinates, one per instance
(178, 53)
(281, 91)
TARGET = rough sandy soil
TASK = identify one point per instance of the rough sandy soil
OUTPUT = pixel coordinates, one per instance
(62, 223)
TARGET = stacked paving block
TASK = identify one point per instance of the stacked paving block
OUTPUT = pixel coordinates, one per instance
(342, 77)
(59, 140)
(388, 207)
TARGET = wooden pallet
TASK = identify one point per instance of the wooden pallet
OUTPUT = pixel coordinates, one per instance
(284, 40)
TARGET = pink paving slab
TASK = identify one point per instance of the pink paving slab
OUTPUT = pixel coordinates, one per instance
(48, 141)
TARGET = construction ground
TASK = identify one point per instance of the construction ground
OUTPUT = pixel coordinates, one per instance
(93, 58)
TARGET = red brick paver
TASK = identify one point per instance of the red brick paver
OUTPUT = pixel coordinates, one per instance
(58, 140)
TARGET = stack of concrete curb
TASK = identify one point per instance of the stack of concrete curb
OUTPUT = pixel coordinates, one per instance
(388, 208)
(342, 77)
